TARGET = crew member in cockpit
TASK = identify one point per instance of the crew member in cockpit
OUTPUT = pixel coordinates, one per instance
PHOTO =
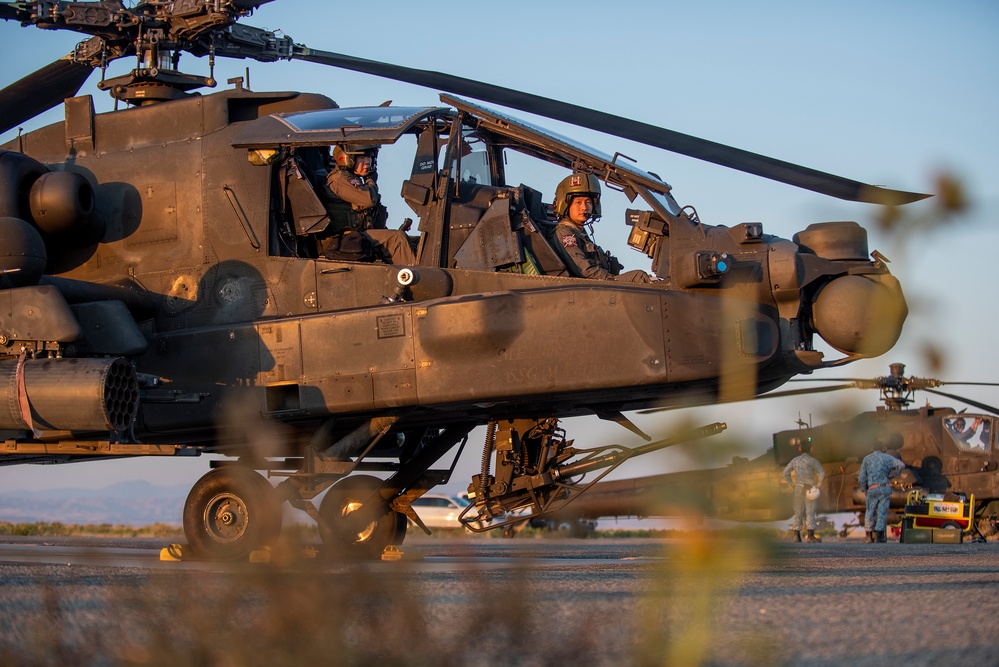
(354, 203)
(577, 203)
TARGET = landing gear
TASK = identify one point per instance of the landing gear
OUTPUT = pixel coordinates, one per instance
(538, 472)
(230, 512)
(342, 535)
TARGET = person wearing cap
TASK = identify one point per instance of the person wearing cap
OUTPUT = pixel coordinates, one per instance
(355, 203)
(805, 474)
(577, 203)
(876, 471)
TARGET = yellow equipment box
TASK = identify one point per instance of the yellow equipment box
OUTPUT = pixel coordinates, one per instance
(942, 518)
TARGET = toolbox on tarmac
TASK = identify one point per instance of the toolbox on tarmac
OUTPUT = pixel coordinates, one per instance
(939, 518)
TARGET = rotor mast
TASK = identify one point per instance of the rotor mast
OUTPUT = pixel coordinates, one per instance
(897, 390)
(156, 77)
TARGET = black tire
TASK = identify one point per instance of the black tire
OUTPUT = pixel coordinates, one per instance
(230, 512)
(401, 528)
(347, 496)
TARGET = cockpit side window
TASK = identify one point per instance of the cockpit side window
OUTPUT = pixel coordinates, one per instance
(473, 164)
(971, 433)
(475, 168)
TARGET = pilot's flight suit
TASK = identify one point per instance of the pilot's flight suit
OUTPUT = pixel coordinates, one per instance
(876, 470)
(807, 472)
(366, 214)
(590, 259)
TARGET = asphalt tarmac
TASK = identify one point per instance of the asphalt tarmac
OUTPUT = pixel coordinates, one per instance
(712, 599)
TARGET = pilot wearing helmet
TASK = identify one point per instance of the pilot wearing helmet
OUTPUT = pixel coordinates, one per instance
(354, 204)
(577, 203)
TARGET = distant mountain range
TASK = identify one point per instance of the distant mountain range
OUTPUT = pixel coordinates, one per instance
(133, 503)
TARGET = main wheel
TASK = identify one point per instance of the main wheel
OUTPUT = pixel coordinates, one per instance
(347, 496)
(230, 512)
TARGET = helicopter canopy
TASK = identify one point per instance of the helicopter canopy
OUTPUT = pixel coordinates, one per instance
(384, 125)
(356, 125)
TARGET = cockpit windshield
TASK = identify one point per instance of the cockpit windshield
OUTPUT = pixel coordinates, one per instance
(971, 433)
(557, 148)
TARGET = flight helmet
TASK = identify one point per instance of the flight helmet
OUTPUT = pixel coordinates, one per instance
(572, 186)
(345, 155)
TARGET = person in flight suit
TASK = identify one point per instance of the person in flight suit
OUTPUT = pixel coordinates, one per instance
(577, 202)
(355, 203)
(957, 427)
(804, 472)
(876, 470)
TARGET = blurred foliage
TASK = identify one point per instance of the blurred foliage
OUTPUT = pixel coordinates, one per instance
(686, 602)
(56, 529)
(949, 203)
(311, 611)
(301, 533)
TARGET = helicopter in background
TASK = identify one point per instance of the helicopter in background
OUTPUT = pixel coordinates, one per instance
(945, 451)
(160, 271)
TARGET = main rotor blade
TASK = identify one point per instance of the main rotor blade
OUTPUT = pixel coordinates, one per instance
(676, 142)
(40, 91)
(980, 406)
(248, 5)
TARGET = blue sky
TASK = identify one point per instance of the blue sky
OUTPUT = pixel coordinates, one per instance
(890, 93)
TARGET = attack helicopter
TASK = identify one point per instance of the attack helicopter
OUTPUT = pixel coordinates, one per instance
(945, 451)
(160, 266)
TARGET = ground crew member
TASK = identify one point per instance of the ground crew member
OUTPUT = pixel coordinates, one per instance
(804, 472)
(876, 470)
(577, 203)
(355, 203)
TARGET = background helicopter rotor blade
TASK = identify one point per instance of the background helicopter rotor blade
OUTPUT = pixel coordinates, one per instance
(919, 384)
(980, 406)
(805, 392)
(775, 394)
(829, 380)
(702, 149)
(869, 380)
(41, 90)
